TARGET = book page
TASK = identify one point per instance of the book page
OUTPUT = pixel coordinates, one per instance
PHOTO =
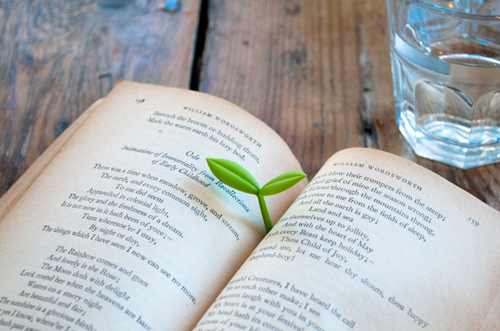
(126, 228)
(374, 242)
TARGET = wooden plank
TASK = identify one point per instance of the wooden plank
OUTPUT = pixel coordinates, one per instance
(58, 57)
(318, 72)
(294, 64)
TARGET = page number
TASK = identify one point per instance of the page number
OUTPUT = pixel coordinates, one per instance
(140, 100)
(473, 221)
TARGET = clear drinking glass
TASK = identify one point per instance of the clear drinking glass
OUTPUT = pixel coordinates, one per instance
(446, 74)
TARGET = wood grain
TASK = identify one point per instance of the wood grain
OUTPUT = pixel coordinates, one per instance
(296, 65)
(58, 57)
(318, 72)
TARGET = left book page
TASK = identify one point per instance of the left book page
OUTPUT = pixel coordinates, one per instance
(123, 227)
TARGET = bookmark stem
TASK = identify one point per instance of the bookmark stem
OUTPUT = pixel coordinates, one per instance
(265, 213)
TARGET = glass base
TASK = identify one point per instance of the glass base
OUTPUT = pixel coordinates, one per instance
(429, 147)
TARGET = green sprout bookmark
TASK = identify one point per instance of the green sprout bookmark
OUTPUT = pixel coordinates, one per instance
(234, 175)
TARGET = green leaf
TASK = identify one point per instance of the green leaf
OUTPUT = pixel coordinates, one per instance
(233, 175)
(282, 182)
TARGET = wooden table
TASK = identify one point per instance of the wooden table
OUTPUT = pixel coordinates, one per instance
(318, 72)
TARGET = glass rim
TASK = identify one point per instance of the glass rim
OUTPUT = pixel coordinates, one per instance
(469, 16)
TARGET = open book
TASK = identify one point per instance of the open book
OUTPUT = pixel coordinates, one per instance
(120, 225)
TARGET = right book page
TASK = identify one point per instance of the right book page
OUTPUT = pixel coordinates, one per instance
(374, 242)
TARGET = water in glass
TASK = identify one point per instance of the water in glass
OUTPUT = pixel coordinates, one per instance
(446, 74)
